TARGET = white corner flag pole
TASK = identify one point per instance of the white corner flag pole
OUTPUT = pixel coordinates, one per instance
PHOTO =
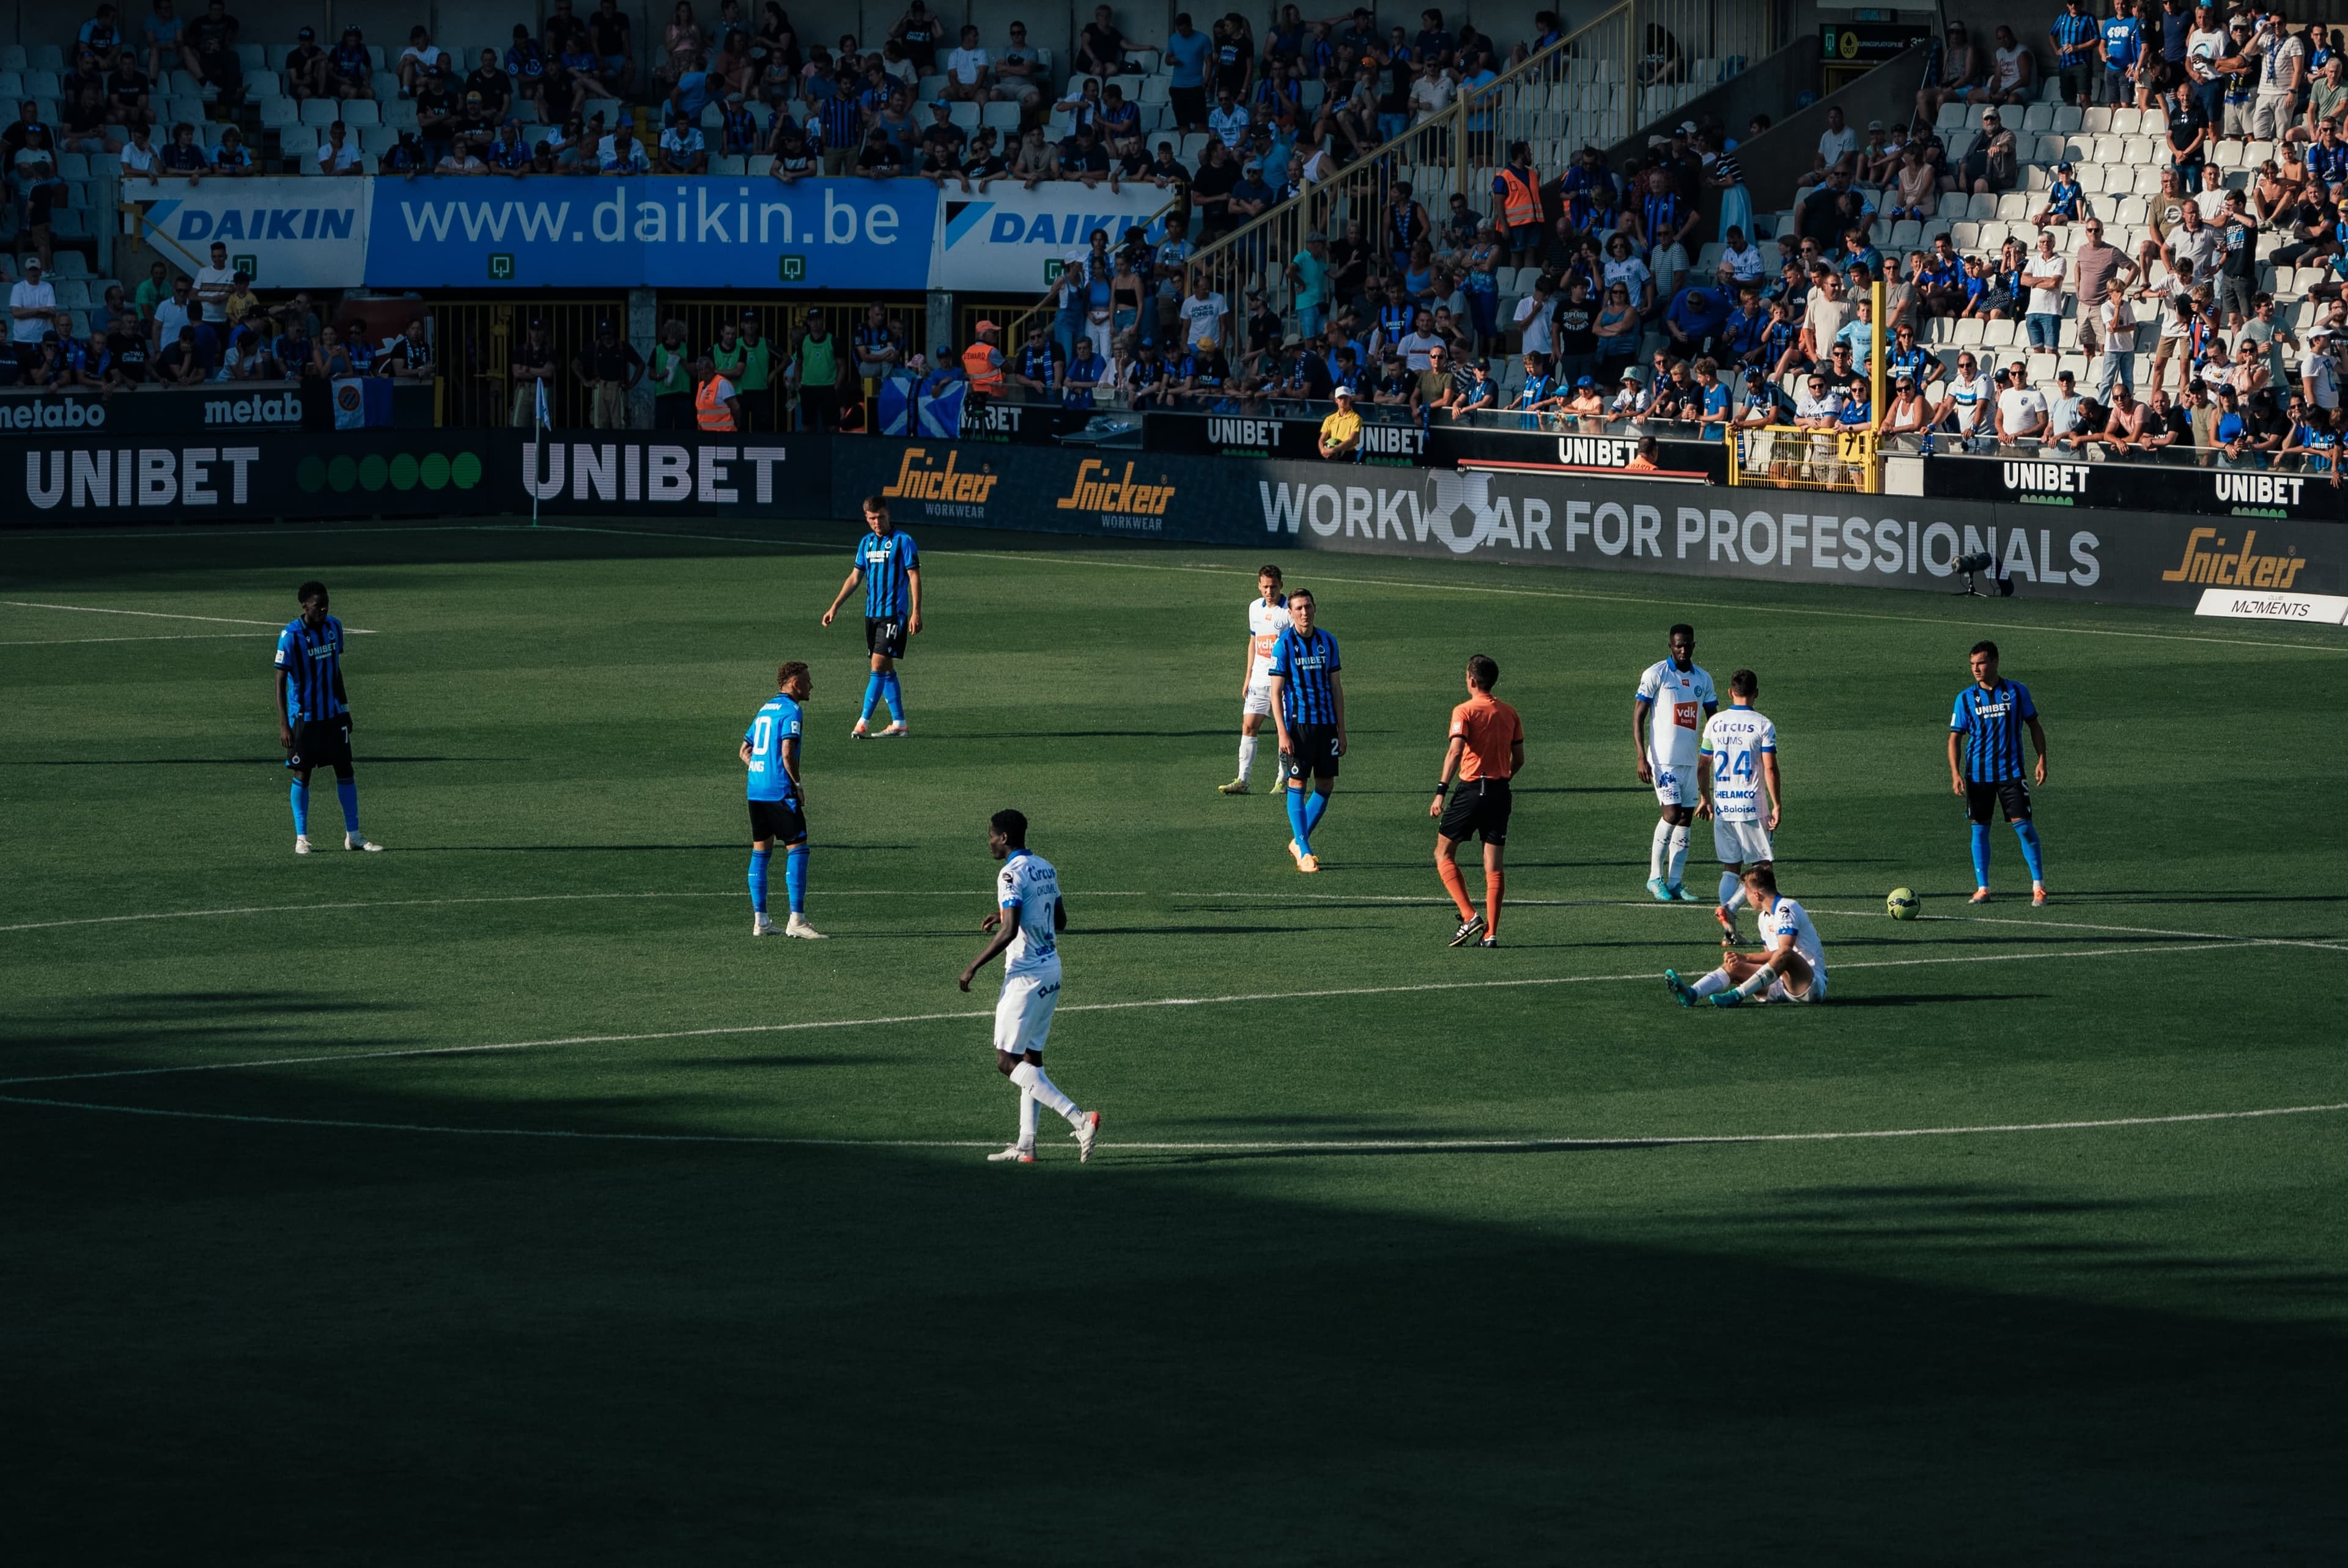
(543, 425)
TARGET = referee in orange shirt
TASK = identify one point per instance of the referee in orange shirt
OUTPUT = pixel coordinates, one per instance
(1488, 748)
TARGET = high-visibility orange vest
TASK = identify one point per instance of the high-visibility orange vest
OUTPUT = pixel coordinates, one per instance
(710, 408)
(1520, 198)
(985, 372)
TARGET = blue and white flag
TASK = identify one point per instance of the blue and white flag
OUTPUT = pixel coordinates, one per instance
(361, 401)
(907, 409)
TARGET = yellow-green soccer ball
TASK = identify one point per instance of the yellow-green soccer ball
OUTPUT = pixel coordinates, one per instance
(1902, 904)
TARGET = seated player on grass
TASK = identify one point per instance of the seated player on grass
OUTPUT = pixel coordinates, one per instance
(1792, 969)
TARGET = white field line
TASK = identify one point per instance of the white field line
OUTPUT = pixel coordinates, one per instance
(1328, 1146)
(497, 898)
(162, 615)
(160, 637)
(1647, 975)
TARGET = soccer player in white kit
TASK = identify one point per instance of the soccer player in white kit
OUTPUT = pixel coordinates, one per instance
(1267, 619)
(1026, 923)
(1792, 968)
(1668, 716)
(1736, 766)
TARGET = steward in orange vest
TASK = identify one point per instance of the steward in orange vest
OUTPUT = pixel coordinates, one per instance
(1518, 188)
(716, 405)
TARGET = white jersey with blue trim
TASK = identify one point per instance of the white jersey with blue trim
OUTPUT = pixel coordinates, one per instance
(1737, 739)
(1265, 623)
(1679, 698)
(1027, 890)
(1787, 918)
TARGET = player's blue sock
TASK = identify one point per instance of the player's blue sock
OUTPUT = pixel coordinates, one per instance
(1981, 854)
(794, 861)
(758, 880)
(347, 792)
(2031, 855)
(302, 808)
(1296, 828)
(873, 690)
(894, 695)
(1315, 805)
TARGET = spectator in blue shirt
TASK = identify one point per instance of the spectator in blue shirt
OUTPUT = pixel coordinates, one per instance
(1694, 316)
(2122, 45)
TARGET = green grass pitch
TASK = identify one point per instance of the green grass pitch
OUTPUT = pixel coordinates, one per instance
(701, 1264)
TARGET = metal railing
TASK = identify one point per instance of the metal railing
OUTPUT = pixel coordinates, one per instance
(1779, 456)
(1626, 68)
(475, 340)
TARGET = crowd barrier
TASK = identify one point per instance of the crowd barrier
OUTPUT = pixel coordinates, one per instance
(1502, 517)
(2177, 484)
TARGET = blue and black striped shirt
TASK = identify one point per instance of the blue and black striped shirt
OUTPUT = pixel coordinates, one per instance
(1991, 719)
(1305, 664)
(887, 562)
(313, 662)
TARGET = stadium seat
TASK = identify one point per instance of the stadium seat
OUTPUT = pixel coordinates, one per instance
(927, 90)
(2014, 207)
(387, 86)
(2096, 121)
(1906, 235)
(48, 58)
(360, 112)
(73, 166)
(2155, 122)
(2037, 119)
(2066, 120)
(1954, 204)
(965, 114)
(276, 55)
(13, 57)
(1002, 116)
(1968, 332)
(279, 113)
(399, 113)
(1999, 333)
(41, 84)
(105, 165)
(12, 86)
(1194, 146)
(759, 164)
(727, 163)
(374, 140)
(253, 58)
(73, 294)
(2126, 121)
(73, 264)
(1155, 90)
(320, 111)
(1982, 208)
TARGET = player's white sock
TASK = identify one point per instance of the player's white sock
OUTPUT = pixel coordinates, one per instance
(1732, 891)
(1246, 756)
(1755, 983)
(1679, 856)
(1707, 985)
(1026, 1119)
(1030, 1077)
(1659, 856)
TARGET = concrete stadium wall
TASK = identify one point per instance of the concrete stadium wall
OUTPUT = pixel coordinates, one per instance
(1775, 159)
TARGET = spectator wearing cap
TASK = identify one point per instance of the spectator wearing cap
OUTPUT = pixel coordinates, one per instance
(753, 374)
(942, 143)
(2065, 201)
(982, 361)
(304, 69)
(609, 368)
(1341, 431)
(532, 366)
(1989, 168)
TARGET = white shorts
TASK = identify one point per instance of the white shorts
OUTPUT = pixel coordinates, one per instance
(1817, 993)
(1258, 700)
(1740, 843)
(1675, 783)
(1023, 1018)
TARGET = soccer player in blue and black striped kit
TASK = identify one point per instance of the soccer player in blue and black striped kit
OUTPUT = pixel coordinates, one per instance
(1308, 702)
(1986, 764)
(313, 713)
(771, 750)
(890, 568)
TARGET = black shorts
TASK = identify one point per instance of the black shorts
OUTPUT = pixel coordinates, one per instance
(321, 744)
(1313, 751)
(780, 820)
(884, 637)
(2011, 794)
(1479, 806)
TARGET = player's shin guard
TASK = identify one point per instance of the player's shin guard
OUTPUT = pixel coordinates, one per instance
(894, 695)
(1707, 985)
(1030, 1077)
(301, 794)
(1316, 806)
(1494, 882)
(1679, 856)
(2033, 856)
(347, 792)
(1247, 757)
(1455, 884)
(758, 880)
(1659, 855)
(1295, 820)
(1732, 891)
(795, 864)
(873, 686)
(1981, 854)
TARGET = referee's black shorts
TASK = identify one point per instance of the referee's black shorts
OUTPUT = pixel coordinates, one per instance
(1313, 751)
(2011, 794)
(1479, 806)
(321, 744)
(780, 820)
(885, 635)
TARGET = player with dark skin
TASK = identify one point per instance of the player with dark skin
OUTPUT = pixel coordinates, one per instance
(1683, 658)
(1005, 932)
(313, 616)
(877, 520)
